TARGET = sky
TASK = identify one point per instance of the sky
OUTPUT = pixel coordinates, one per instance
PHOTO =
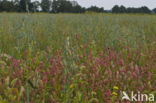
(108, 4)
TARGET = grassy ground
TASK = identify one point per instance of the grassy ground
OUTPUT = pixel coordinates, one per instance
(76, 58)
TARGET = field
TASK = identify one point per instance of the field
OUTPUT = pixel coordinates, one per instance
(76, 58)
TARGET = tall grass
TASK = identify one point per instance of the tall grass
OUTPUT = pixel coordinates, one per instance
(75, 58)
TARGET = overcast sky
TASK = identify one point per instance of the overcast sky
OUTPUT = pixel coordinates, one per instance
(108, 4)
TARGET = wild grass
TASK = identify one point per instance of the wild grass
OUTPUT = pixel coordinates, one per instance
(75, 58)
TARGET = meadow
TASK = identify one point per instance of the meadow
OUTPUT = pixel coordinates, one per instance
(76, 58)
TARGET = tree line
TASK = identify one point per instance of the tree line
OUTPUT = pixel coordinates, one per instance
(62, 6)
(122, 9)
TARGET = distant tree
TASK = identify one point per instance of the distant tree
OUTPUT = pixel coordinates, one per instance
(61, 6)
(54, 6)
(122, 9)
(145, 9)
(95, 9)
(17, 5)
(154, 10)
(116, 9)
(65, 6)
(7, 6)
(25, 5)
(78, 9)
(130, 10)
(35, 6)
(46, 5)
(134, 10)
(119, 9)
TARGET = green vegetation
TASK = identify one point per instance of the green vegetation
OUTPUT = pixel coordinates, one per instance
(64, 6)
(75, 58)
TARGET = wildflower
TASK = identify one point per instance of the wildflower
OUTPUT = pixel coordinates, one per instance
(121, 62)
(114, 93)
(108, 93)
(2, 62)
(72, 86)
(116, 88)
(93, 93)
(15, 62)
